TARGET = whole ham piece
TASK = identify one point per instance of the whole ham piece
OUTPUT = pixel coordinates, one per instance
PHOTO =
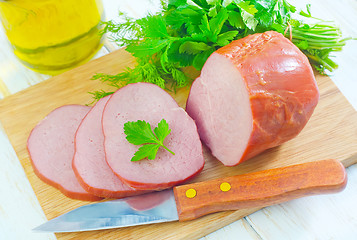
(89, 162)
(253, 94)
(51, 149)
(148, 102)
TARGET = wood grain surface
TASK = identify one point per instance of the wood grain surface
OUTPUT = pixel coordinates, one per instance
(330, 133)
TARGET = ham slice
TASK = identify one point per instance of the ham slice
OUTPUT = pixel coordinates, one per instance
(51, 149)
(89, 163)
(145, 101)
(253, 94)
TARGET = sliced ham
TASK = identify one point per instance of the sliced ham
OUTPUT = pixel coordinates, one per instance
(253, 94)
(89, 163)
(51, 149)
(145, 101)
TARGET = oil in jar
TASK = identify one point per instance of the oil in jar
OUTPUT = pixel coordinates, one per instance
(51, 36)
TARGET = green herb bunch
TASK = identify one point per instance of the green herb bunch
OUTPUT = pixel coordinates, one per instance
(185, 33)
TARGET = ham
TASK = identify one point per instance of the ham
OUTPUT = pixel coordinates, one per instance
(145, 101)
(51, 149)
(151, 200)
(253, 94)
(89, 162)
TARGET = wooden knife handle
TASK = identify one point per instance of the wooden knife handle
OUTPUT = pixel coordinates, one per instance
(259, 189)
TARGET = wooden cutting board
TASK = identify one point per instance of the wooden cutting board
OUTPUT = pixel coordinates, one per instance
(330, 133)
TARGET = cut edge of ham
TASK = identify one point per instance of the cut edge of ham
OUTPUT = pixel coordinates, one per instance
(79, 193)
(89, 164)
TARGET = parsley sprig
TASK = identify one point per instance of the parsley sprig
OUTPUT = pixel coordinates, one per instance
(185, 33)
(140, 133)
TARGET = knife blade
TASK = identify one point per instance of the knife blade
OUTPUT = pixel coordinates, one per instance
(190, 201)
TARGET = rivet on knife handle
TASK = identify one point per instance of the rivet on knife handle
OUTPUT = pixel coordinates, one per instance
(259, 189)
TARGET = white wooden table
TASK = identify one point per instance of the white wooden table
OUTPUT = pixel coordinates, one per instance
(318, 217)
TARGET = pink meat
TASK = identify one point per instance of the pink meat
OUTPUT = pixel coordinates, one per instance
(89, 163)
(51, 149)
(253, 94)
(145, 101)
(151, 200)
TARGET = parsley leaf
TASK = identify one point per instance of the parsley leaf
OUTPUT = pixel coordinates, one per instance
(193, 47)
(201, 58)
(146, 151)
(225, 38)
(235, 19)
(249, 20)
(139, 133)
(246, 6)
(247, 13)
(162, 130)
(216, 23)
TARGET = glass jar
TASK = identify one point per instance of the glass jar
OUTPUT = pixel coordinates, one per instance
(51, 36)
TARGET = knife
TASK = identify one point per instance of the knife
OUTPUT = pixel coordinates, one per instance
(190, 201)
